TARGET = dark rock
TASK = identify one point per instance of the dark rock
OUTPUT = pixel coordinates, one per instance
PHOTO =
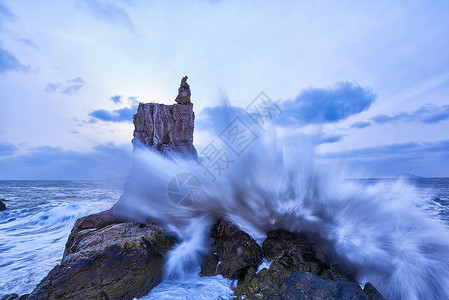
(10, 297)
(310, 286)
(107, 258)
(2, 206)
(372, 292)
(165, 128)
(183, 92)
(234, 252)
(305, 252)
(290, 253)
(23, 297)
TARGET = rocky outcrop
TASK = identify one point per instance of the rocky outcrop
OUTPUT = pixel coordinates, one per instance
(183, 92)
(2, 205)
(303, 265)
(107, 257)
(372, 292)
(233, 252)
(165, 128)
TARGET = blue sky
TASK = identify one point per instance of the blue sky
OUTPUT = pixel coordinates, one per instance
(371, 77)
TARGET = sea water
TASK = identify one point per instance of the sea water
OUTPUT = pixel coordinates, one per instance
(38, 219)
(40, 215)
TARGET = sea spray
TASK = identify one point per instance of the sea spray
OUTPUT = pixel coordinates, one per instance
(277, 183)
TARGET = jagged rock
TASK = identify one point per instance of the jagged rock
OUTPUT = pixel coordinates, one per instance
(305, 252)
(107, 258)
(298, 253)
(310, 286)
(233, 252)
(165, 128)
(183, 92)
(2, 205)
(372, 292)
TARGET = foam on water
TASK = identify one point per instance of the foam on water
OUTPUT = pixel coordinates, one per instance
(277, 183)
(192, 286)
(35, 227)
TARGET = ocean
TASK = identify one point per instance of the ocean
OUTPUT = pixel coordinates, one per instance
(40, 215)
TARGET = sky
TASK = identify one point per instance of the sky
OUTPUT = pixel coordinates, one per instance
(369, 78)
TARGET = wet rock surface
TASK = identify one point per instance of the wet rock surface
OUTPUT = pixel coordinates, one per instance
(2, 205)
(233, 252)
(310, 286)
(303, 265)
(107, 258)
(372, 292)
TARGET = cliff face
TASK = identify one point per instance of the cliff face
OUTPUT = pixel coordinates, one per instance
(165, 128)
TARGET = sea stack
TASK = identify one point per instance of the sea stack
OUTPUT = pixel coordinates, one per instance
(167, 129)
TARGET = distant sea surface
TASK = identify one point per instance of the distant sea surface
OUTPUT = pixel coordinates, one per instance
(40, 215)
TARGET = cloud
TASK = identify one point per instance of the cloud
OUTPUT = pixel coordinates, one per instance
(424, 159)
(5, 14)
(326, 105)
(429, 113)
(360, 125)
(72, 86)
(119, 115)
(7, 149)
(331, 138)
(116, 99)
(8, 62)
(102, 162)
(107, 11)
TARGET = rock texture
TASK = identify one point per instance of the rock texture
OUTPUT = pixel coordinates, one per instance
(303, 265)
(107, 257)
(372, 292)
(183, 92)
(306, 286)
(2, 205)
(165, 128)
(233, 252)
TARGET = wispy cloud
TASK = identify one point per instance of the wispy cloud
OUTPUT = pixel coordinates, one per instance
(360, 125)
(8, 62)
(327, 105)
(119, 115)
(5, 14)
(7, 149)
(429, 113)
(116, 99)
(331, 138)
(107, 11)
(70, 87)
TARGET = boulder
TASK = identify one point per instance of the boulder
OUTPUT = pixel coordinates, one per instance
(2, 205)
(372, 292)
(305, 252)
(183, 92)
(233, 252)
(303, 266)
(107, 258)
